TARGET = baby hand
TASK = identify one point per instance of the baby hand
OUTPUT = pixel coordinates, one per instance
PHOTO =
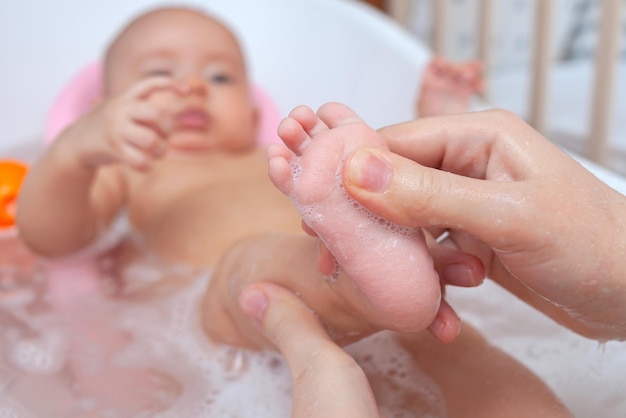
(131, 128)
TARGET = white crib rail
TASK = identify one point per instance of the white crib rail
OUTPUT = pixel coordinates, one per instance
(607, 57)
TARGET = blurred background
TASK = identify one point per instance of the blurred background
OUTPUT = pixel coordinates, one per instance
(543, 59)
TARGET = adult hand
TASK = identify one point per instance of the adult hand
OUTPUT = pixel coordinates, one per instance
(327, 382)
(545, 227)
(293, 261)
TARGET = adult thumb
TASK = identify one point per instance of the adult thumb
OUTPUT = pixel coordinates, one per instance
(327, 381)
(405, 192)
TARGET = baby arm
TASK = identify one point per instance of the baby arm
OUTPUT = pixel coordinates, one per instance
(76, 188)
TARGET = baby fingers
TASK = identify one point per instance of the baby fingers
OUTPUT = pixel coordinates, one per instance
(147, 87)
(153, 116)
(145, 140)
(135, 158)
(140, 144)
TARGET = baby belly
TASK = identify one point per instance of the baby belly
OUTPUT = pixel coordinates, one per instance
(198, 230)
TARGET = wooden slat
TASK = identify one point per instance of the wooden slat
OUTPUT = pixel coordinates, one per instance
(541, 65)
(485, 28)
(440, 18)
(400, 11)
(606, 65)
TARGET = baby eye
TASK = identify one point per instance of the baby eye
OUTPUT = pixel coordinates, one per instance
(158, 72)
(220, 78)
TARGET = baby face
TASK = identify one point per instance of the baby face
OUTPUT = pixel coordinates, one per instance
(215, 110)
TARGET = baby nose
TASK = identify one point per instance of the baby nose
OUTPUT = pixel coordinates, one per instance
(195, 84)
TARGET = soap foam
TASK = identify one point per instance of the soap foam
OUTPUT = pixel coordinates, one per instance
(382, 357)
(185, 373)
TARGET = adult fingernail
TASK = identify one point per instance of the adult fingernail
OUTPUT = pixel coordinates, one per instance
(445, 331)
(460, 275)
(368, 171)
(254, 302)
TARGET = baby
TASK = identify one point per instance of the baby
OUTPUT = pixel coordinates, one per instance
(172, 146)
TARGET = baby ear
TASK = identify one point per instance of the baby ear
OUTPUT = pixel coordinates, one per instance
(256, 117)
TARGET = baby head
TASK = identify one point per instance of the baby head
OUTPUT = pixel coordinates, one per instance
(215, 110)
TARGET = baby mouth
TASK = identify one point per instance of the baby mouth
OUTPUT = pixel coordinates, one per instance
(192, 119)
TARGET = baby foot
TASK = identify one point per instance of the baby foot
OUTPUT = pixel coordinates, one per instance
(389, 263)
(447, 88)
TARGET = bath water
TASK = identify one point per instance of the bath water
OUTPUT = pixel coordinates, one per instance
(141, 352)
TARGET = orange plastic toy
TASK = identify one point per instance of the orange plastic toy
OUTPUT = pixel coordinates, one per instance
(11, 175)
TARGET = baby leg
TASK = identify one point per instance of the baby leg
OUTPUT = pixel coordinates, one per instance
(447, 88)
(477, 378)
(414, 375)
(389, 263)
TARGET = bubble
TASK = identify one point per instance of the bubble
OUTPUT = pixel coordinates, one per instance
(7, 377)
(234, 361)
(405, 390)
(274, 363)
(380, 222)
(140, 275)
(45, 355)
(110, 413)
(8, 412)
(17, 298)
(87, 404)
(296, 171)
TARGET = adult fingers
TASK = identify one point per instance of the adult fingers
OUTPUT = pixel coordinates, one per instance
(447, 325)
(484, 145)
(486, 173)
(454, 266)
(327, 381)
